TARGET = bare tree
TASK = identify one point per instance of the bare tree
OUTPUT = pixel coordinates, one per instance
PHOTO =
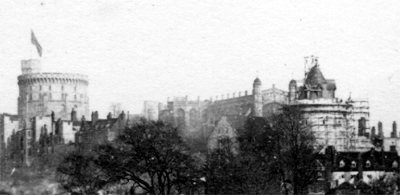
(296, 150)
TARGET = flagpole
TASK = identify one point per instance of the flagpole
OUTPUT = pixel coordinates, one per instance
(31, 47)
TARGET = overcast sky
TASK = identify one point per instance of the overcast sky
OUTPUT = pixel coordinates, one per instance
(140, 50)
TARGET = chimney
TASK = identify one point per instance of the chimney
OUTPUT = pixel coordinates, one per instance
(95, 117)
(109, 116)
(122, 115)
(53, 116)
(380, 129)
(73, 115)
(373, 132)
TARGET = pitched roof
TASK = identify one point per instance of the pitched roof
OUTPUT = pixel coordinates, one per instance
(315, 76)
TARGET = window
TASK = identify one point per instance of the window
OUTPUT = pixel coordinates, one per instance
(395, 164)
(75, 88)
(353, 164)
(49, 87)
(62, 87)
(368, 164)
(74, 97)
(40, 87)
(341, 164)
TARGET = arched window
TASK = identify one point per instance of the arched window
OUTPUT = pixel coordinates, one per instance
(368, 164)
(353, 164)
(342, 164)
(194, 117)
(395, 164)
(362, 123)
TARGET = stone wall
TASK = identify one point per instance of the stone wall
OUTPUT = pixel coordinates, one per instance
(42, 93)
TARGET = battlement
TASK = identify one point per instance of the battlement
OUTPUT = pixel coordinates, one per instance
(46, 77)
(30, 66)
(231, 96)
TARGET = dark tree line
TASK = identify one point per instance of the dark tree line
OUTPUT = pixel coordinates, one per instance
(274, 155)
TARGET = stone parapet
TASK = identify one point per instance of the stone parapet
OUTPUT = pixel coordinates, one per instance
(52, 78)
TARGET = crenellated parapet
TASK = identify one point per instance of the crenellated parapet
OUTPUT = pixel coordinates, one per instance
(27, 79)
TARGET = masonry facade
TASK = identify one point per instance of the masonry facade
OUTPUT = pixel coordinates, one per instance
(41, 93)
(335, 122)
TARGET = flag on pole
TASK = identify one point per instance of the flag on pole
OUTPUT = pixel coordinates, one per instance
(35, 42)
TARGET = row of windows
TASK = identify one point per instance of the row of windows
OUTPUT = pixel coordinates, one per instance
(62, 87)
(50, 96)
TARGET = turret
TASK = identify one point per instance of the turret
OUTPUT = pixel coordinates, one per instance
(257, 109)
(394, 129)
(292, 91)
(380, 129)
(30, 66)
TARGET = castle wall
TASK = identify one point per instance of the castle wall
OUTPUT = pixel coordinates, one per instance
(150, 110)
(236, 110)
(68, 132)
(8, 124)
(336, 123)
(38, 123)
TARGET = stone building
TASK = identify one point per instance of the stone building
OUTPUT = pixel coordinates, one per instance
(150, 110)
(354, 168)
(99, 131)
(42, 137)
(41, 93)
(223, 131)
(193, 115)
(8, 124)
(391, 142)
(335, 122)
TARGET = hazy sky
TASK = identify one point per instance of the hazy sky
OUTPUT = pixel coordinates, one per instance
(140, 50)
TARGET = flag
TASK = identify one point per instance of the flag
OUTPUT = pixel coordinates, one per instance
(35, 42)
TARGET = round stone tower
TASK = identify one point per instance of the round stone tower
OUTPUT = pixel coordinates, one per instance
(42, 93)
